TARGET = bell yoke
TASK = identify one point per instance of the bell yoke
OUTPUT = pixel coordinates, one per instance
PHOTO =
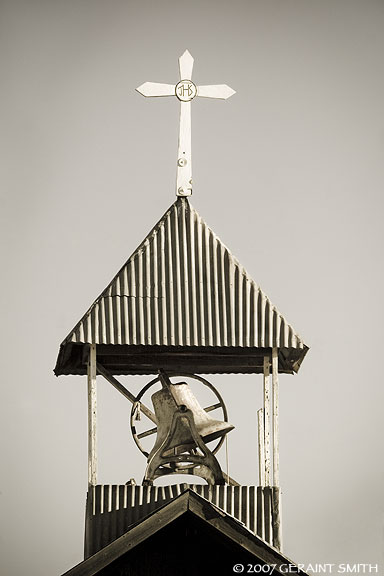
(183, 430)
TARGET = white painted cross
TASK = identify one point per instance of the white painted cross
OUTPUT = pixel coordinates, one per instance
(185, 91)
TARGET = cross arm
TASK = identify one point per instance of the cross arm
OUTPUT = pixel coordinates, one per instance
(186, 66)
(149, 89)
(221, 91)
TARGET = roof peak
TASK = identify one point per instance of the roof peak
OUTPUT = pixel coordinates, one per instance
(182, 287)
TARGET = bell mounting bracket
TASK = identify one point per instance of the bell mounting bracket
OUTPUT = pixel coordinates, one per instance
(165, 461)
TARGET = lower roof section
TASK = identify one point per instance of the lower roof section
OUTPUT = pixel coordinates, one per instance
(188, 536)
(134, 360)
(112, 509)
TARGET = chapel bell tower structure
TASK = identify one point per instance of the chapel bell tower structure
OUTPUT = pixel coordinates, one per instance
(180, 309)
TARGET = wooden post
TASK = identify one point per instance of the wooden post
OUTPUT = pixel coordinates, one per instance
(267, 422)
(277, 539)
(260, 428)
(275, 393)
(268, 531)
(260, 512)
(276, 492)
(92, 414)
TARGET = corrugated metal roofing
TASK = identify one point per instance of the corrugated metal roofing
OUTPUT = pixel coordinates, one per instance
(183, 287)
(112, 509)
(219, 538)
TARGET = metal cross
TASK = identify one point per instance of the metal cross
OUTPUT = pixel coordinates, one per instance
(185, 90)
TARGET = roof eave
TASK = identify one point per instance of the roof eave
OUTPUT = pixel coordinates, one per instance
(145, 360)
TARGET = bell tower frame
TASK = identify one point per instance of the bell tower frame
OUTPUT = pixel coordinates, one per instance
(182, 303)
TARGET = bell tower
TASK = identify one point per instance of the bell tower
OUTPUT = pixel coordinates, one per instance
(182, 308)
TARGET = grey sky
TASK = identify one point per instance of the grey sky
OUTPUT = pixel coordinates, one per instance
(288, 173)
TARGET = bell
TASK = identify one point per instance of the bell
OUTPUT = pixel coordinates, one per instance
(166, 401)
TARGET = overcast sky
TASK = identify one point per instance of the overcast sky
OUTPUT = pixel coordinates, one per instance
(288, 173)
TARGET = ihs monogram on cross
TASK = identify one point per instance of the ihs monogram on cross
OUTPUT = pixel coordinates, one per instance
(185, 91)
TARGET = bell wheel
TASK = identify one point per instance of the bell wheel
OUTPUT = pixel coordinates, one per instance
(143, 424)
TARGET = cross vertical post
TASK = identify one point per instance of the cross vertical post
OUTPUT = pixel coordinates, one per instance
(185, 90)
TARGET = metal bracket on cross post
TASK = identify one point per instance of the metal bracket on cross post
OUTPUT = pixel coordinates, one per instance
(185, 90)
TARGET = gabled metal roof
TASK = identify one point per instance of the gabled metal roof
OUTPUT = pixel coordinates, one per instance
(182, 287)
(215, 533)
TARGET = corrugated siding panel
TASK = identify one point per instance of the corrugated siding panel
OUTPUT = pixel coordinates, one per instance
(111, 509)
(183, 287)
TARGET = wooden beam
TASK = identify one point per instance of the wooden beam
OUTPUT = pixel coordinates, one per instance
(231, 481)
(125, 392)
(124, 359)
(180, 351)
(268, 534)
(276, 518)
(267, 422)
(275, 394)
(260, 512)
(92, 417)
(260, 428)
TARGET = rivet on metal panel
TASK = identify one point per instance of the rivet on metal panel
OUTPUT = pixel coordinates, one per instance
(183, 191)
(182, 162)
